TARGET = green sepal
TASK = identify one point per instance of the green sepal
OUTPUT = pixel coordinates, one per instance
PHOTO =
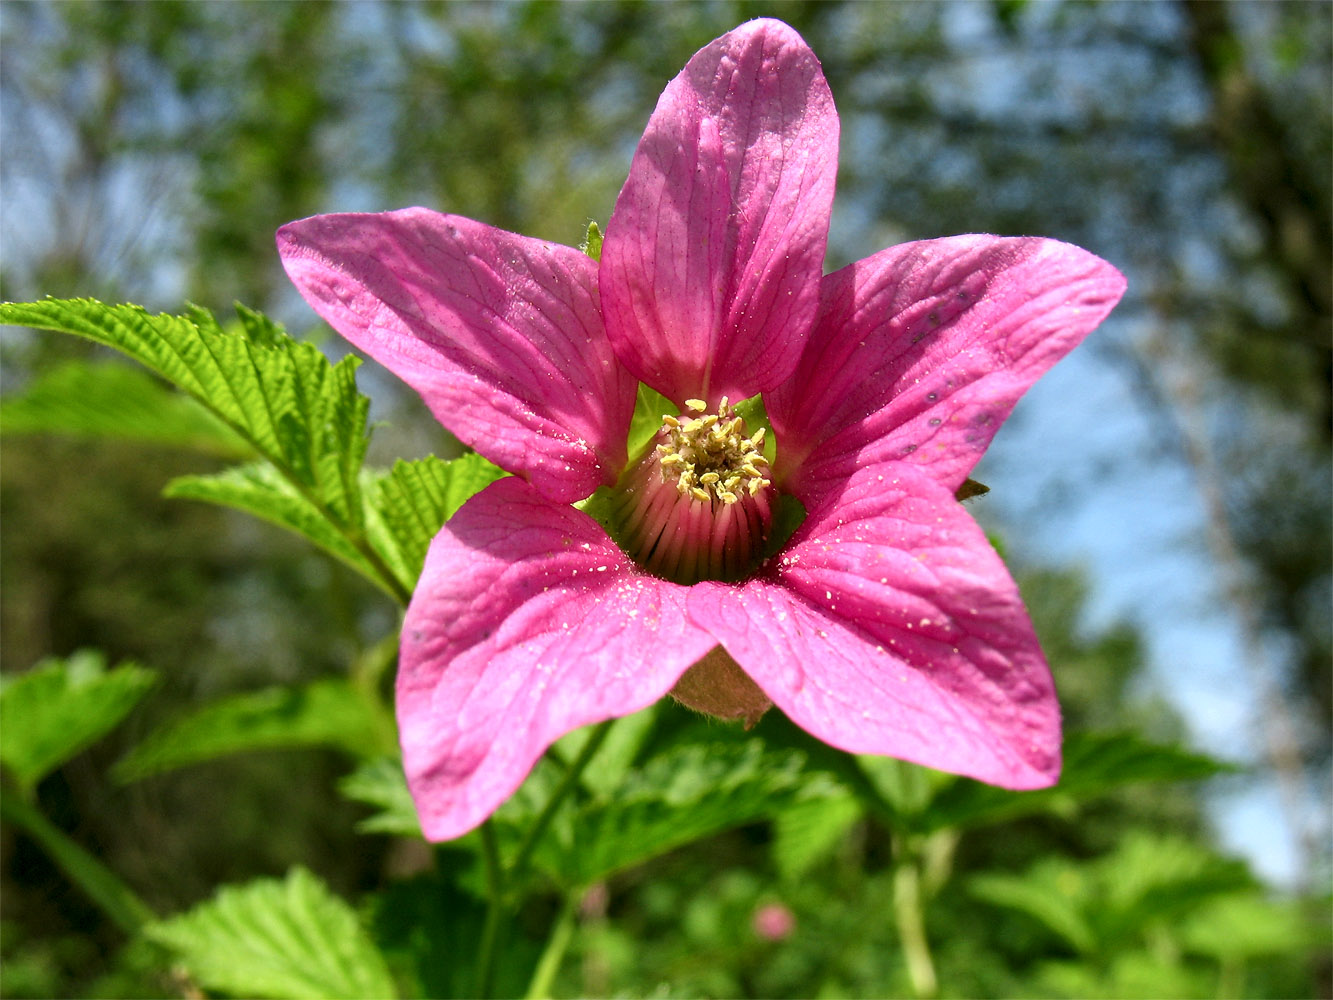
(788, 515)
(592, 242)
(600, 507)
(649, 408)
(754, 414)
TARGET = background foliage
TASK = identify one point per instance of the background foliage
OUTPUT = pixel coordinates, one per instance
(150, 151)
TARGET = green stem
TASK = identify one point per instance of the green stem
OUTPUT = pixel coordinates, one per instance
(521, 860)
(556, 946)
(498, 881)
(908, 911)
(388, 580)
(101, 884)
(494, 910)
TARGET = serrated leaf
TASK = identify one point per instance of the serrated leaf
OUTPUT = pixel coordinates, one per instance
(1095, 764)
(261, 490)
(680, 796)
(291, 939)
(1054, 893)
(115, 400)
(1114, 902)
(415, 499)
(326, 713)
(381, 783)
(59, 707)
(1248, 925)
(807, 831)
(288, 402)
(611, 763)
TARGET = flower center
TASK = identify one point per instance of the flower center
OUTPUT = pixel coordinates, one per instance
(698, 506)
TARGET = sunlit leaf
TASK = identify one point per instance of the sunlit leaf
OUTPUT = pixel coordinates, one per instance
(290, 939)
(1053, 892)
(611, 763)
(1148, 883)
(294, 407)
(678, 797)
(1250, 925)
(415, 499)
(808, 831)
(259, 489)
(326, 713)
(115, 400)
(380, 783)
(282, 396)
(59, 707)
(1094, 765)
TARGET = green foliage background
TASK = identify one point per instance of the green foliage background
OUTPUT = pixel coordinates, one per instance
(150, 151)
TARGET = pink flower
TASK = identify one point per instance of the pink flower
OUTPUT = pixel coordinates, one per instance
(886, 624)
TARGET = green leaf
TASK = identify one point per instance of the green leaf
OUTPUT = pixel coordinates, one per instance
(326, 713)
(1148, 883)
(808, 831)
(291, 939)
(678, 797)
(416, 498)
(381, 783)
(1053, 892)
(59, 707)
(1094, 765)
(1247, 925)
(114, 400)
(611, 764)
(283, 397)
(296, 409)
(261, 490)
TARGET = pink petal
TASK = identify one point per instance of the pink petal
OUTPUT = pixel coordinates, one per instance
(527, 623)
(713, 254)
(922, 350)
(892, 627)
(502, 335)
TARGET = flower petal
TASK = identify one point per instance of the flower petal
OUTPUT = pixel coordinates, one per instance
(501, 334)
(527, 623)
(892, 627)
(922, 350)
(713, 255)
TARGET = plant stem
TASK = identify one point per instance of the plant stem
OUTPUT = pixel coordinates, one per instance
(556, 946)
(102, 885)
(907, 910)
(499, 881)
(521, 860)
(494, 910)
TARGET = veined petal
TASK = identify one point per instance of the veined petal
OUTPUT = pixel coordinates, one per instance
(527, 623)
(921, 351)
(712, 259)
(892, 627)
(500, 334)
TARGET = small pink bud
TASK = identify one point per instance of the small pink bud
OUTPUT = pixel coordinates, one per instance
(774, 922)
